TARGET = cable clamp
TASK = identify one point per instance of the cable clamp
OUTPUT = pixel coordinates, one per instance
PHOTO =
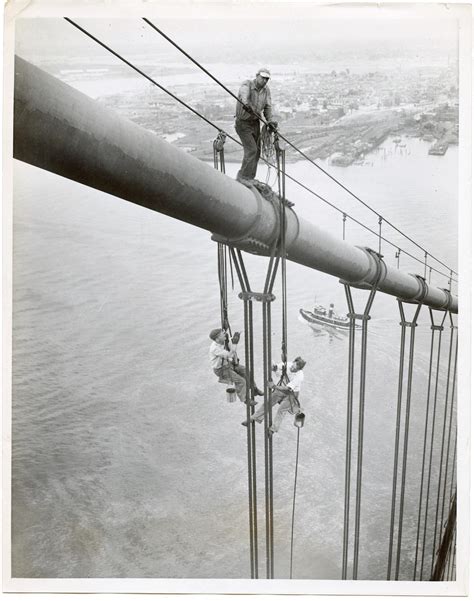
(377, 276)
(408, 324)
(262, 297)
(219, 142)
(449, 299)
(440, 328)
(358, 316)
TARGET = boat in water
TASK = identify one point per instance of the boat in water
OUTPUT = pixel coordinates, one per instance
(320, 316)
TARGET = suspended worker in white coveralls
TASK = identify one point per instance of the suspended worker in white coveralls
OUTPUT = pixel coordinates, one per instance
(285, 395)
(225, 363)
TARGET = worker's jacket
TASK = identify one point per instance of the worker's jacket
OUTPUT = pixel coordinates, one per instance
(259, 100)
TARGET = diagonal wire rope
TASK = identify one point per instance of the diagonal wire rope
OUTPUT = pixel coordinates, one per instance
(303, 154)
(217, 128)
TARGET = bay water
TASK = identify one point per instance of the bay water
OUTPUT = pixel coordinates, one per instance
(127, 459)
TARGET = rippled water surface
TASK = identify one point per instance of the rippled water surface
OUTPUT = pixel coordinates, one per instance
(127, 459)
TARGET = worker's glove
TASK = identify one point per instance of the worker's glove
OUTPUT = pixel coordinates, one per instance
(273, 126)
(274, 367)
(247, 108)
(236, 338)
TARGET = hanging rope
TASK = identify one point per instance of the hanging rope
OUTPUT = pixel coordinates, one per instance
(294, 501)
(219, 164)
(281, 166)
(404, 324)
(380, 234)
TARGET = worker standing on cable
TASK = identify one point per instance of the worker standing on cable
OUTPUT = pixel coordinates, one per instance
(254, 104)
(285, 395)
(225, 363)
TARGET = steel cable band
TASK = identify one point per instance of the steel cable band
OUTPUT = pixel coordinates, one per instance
(439, 329)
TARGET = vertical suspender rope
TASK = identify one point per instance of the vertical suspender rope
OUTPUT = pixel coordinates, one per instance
(267, 363)
(441, 459)
(360, 442)
(450, 427)
(412, 324)
(251, 447)
(360, 445)
(266, 298)
(401, 372)
(430, 463)
(350, 402)
(423, 462)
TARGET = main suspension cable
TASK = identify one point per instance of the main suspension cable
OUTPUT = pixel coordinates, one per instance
(213, 125)
(303, 154)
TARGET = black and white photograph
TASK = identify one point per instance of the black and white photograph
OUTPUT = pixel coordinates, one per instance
(236, 285)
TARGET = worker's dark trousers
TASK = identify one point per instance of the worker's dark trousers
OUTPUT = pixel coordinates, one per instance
(238, 376)
(249, 133)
